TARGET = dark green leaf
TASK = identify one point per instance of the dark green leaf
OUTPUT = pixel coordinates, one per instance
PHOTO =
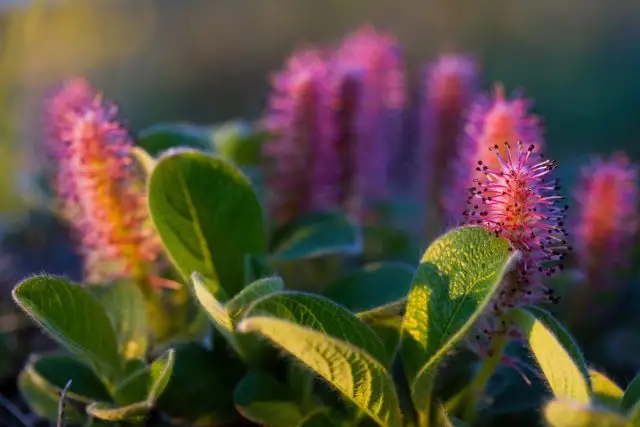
(457, 277)
(262, 399)
(73, 317)
(201, 386)
(42, 397)
(161, 137)
(564, 376)
(321, 417)
(253, 292)
(631, 394)
(256, 268)
(373, 287)
(58, 369)
(207, 216)
(321, 234)
(126, 306)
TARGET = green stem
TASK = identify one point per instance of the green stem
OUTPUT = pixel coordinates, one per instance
(479, 384)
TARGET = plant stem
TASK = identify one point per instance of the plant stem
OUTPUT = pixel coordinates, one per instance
(479, 384)
(424, 410)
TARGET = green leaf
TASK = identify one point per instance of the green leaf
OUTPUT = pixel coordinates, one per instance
(110, 412)
(74, 318)
(42, 397)
(375, 286)
(263, 400)
(565, 338)
(300, 381)
(605, 390)
(349, 369)
(207, 216)
(161, 137)
(324, 316)
(256, 268)
(201, 386)
(161, 369)
(155, 378)
(319, 235)
(254, 291)
(560, 370)
(321, 417)
(58, 369)
(634, 416)
(126, 307)
(631, 394)
(458, 275)
(237, 142)
(389, 330)
(564, 413)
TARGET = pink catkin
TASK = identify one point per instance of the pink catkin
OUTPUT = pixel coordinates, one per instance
(607, 220)
(449, 86)
(492, 120)
(519, 202)
(372, 63)
(297, 117)
(101, 194)
(334, 117)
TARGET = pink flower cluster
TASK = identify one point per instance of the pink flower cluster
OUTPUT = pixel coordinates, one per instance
(607, 216)
(519, 202)
(101, 194)
(491, 120)
(335, 117)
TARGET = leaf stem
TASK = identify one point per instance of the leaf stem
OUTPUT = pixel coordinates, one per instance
(487, 368)
(424, 410)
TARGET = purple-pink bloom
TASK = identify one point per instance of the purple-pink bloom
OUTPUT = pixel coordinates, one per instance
(449, 85)
(518, 201)
(607, 217)
(335, 119)
(101, 194)
(491, 120)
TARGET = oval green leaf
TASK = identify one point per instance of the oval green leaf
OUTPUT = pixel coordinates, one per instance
(373, 288)
(207, 216)
(458, 275)
(265, 401)
(349, 369)
(565, 338)
(160, 373)
(135, 412)
(42, 397)
(566, 413)
(74, 318)
(631, 394)
(126, 307)
(58, 369)
(318, 235)
(254, 291)
(324, 316)
(563, 374)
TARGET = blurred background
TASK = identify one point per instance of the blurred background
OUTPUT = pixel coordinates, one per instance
(207, 61)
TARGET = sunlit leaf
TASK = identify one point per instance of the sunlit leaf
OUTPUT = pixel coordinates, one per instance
(347, 368)
(566, 413)
(605, 390)
(563, 374)
(457, 277)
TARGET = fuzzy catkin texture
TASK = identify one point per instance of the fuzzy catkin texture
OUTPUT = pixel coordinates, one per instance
(298, 117)
(335, 117)
(491, 120)
(101, 193)
(518, 201)
(607, 219)
(449, 86)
